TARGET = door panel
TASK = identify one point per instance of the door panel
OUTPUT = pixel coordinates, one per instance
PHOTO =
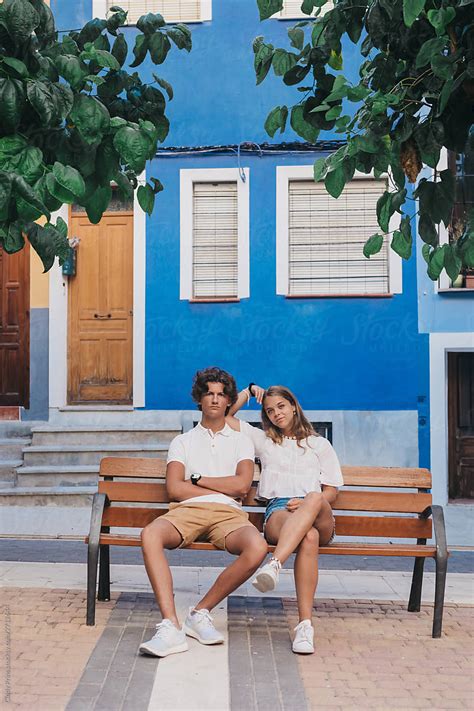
(100, 311)
(461, 425)
(14, 327)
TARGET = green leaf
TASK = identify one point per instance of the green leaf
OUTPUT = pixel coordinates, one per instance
(23, 190)
(64, 98)
(70, 179)
(71, 69)
(335, 181)
(402, 240)
(164, 85)
(384, 210)
(12, 238)
(106, 59)
(159, 46)
(283, 61)
(120, 49)
(297, 74)
(181, 38)
(357, 93)
(150, 22)
(30, 164)
(157, 185)
(335, 60)
(275, 120)
(442, 66)
(427, 229)
(57, 191)
(435, 266)
(373, 245)
(426, 251)
(367, 143)
(20, 19)
(320, 169)
(146, 198)
(411, 10)
(12, 102)
(431, 48)
(267, 8)
(302, 127)
(452, 263)
(41, 99)
(48, 242)
(90, 118)
(441, 18)
(296, 35)
(5, 194)
(133, 146)
(333, 113)
(140, 49)
(98, 202)
(14, 67)
(263, 58)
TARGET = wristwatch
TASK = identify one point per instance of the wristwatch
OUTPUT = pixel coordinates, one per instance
(195, 479)
(249, 388)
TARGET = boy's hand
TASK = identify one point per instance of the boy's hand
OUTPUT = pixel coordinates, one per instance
(294, 504)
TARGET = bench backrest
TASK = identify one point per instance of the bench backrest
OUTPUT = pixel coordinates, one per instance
(368, 493)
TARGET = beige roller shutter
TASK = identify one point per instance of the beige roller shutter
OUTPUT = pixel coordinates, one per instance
(215, 240)
(326, 237)
(172, 10)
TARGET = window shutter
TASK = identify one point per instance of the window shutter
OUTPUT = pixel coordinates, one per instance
(215, 240)
(326, 237)
(292, 10)
(172, 10)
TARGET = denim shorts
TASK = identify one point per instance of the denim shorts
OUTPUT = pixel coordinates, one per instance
(279, 504)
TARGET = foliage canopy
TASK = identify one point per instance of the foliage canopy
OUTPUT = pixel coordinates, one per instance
(414, 97)
(73, 119)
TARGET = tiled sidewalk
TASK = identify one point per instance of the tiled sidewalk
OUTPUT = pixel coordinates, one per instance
(369, 654)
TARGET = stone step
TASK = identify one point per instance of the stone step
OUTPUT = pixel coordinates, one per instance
(77, 454)
(11, 447)
(58, 496)
(57, 476)
(8, 468)
(146, 434)
(9, 429)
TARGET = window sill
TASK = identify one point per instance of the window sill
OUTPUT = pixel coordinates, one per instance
(456, 290)
(216, 300)
(340, 296)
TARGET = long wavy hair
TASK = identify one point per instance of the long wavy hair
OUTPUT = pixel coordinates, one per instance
(302, 428)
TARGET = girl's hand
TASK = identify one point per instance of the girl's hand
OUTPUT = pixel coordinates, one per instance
(258, 393)
(294, 504)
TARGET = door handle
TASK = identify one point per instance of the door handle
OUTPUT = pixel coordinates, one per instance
(102, 316)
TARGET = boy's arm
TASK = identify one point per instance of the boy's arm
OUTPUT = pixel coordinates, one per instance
(180, 489)
(237, 485)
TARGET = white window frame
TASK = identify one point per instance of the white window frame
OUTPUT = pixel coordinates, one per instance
(305, 172)
(213, 175)
(300, 15)
(99, 9)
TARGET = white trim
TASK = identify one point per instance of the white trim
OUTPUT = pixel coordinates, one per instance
(99, 9)
(139, 296)
(213, 175)
(280, 15)
(440, 345)
(444, 281)
(285, 173)
(58, 314)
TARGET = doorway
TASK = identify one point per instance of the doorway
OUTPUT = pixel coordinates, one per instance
(15, 328)
(100, 311)
(461, 425)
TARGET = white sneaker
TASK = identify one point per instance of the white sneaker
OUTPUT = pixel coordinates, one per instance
(168, 639)
(303, 642)
(267, 577)
(198, 624)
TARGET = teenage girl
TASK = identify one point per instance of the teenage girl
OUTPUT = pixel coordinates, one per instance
(299, 480)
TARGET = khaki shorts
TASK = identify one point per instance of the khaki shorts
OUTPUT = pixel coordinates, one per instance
(206, 522)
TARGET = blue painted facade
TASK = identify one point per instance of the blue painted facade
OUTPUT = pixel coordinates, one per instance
(337, 353)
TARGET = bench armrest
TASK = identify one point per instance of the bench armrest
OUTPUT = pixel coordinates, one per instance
(436, 512)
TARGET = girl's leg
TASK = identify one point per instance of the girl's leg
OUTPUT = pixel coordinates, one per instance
(297, 525)
(306, 573)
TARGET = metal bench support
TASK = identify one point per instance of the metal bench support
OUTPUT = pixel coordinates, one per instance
(98, 504)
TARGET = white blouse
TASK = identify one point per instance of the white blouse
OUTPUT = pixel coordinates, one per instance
(290, 470)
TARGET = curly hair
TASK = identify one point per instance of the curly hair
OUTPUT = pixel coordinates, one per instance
(213, 375)
(302, 428)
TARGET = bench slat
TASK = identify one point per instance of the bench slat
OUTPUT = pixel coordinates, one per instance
(370, 549)
(147, 467)
(390, 502)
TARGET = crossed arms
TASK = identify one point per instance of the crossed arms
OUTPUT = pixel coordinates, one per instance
(236, 486)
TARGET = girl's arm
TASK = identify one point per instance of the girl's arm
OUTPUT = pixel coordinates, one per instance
(242, 399)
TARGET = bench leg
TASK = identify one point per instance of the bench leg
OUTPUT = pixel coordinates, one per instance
(93, 555)
(416, 585)
(441, 568)
(104, 573)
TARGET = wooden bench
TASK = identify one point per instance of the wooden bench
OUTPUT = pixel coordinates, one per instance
(375, 502)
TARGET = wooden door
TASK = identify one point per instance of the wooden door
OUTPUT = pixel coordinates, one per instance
(461, 425)
(101, 311)
(14, 327)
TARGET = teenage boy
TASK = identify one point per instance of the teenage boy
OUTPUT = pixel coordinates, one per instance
(210, 469)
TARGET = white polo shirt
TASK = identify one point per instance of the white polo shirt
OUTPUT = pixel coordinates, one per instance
(208, 453)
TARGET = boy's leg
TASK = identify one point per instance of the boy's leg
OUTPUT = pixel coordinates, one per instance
(251, 548)
(157, 536)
